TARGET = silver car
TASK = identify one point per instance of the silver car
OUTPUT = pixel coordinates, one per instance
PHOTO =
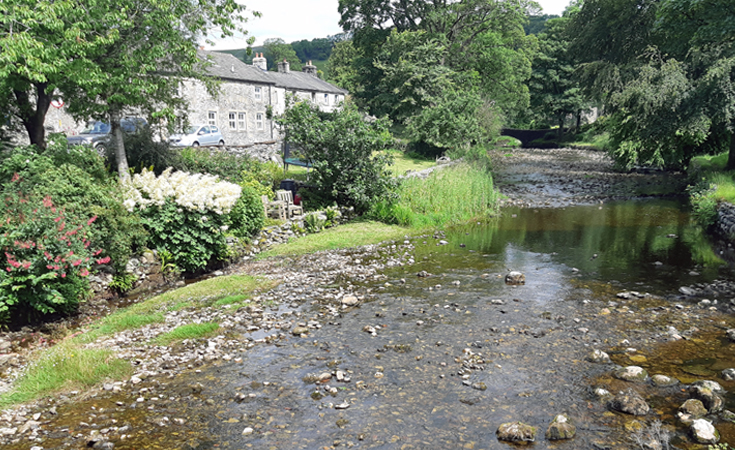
(97, 134)
(197, 135)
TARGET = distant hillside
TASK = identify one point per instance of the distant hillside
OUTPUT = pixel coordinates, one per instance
(316, 50)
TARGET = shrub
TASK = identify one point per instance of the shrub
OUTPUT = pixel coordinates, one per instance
(541, 143)
(344, 148)
(247, 216)
(214, 162)
(48, 256)
(314, 223)
(143, 151)
(186, 215)
(77, 181)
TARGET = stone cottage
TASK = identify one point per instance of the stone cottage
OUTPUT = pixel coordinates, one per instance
(248, 98)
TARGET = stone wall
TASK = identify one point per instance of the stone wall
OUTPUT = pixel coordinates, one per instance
(262, 151)
(726, 220)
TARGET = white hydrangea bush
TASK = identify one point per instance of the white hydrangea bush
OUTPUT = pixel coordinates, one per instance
(195, 192)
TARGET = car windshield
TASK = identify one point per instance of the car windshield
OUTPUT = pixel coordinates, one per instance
(96, 128)
(192, 130)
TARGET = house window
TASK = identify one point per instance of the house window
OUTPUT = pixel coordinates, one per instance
(258, 94)
(212, 118)
(313, 97)
(233, 121)
(336, 99)
(326, 99)
(259, 121)
(241, 121)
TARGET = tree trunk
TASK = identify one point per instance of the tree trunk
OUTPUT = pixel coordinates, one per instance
(731, 153)
(579, 121)
(118, 144)
(33, 116)
(560, 133)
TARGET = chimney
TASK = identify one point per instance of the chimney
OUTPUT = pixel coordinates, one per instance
(284, 67)
(260, 62)
(310, 69)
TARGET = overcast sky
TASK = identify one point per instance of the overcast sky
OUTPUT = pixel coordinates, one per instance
(294, 20)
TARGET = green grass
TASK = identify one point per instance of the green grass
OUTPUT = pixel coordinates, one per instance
(66, 367)
(402, 162)
(188, 331)
(451, 196)
(353, 234)
(71, 366)
(232, 300)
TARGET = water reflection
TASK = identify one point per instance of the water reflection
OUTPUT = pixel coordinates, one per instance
(651, 243)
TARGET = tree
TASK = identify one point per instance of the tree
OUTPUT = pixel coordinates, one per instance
(340, 67)
(345, 150)
(555, 92)
(402, 45)
(276, 50)
(105, 57)
(43, 46)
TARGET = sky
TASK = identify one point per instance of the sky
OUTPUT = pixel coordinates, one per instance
(294, 20)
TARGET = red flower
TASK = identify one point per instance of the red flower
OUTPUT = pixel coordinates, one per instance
(104, 260)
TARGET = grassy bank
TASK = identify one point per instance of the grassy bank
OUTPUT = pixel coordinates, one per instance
(450, 196)
(710, 184)
(71, 365)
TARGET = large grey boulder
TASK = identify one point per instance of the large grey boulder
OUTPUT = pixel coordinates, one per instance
(631, 373)
(515, 278)
(704, 432)
(516, 432)
(629, 402)
(710, 399)
(561, 428)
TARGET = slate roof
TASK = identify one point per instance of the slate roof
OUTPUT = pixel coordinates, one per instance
(227, 67)
(304, 82)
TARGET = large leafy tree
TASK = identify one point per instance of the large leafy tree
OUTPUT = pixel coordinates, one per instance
(666, 72)
(555, 91)
(105, 58)
(407, 51)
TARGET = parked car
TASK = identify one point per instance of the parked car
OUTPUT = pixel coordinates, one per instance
(197, 135)
(97, 133)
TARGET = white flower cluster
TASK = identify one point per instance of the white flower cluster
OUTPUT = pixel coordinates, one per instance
(197, 192)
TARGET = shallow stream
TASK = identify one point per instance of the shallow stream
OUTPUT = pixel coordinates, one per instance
(448, 357)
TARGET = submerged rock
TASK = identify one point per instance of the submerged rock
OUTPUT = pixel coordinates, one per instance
(629, 402)
(731, 334)
(515, 278)
(728, 374)
(631, 373)
(299, 330)
(704, 432)
(350, 300)
(664, 381)
(561, 428)
(598, 356)
(516, 432)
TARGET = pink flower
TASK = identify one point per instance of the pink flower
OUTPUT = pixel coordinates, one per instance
(26, 265)
(84, 272)
(9, 269)
(97, 252)
(57, 219)
(47, 201)
(90, 221)
(63, 275)
(49, 266)
(76, 263)
(15, 178)
(104, 260)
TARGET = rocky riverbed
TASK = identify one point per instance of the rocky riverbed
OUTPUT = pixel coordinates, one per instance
(418, 343)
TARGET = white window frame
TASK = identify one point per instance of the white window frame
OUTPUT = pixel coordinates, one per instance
(259, 121)
(326, 99)
(212, 118)
(258, 93)
(232, 120)
(242, 121)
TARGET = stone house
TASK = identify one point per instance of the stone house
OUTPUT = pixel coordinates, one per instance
(248, 98)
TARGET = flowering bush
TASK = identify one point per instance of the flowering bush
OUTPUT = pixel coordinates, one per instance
(196, 192)
(186, 215)
(47, 257)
